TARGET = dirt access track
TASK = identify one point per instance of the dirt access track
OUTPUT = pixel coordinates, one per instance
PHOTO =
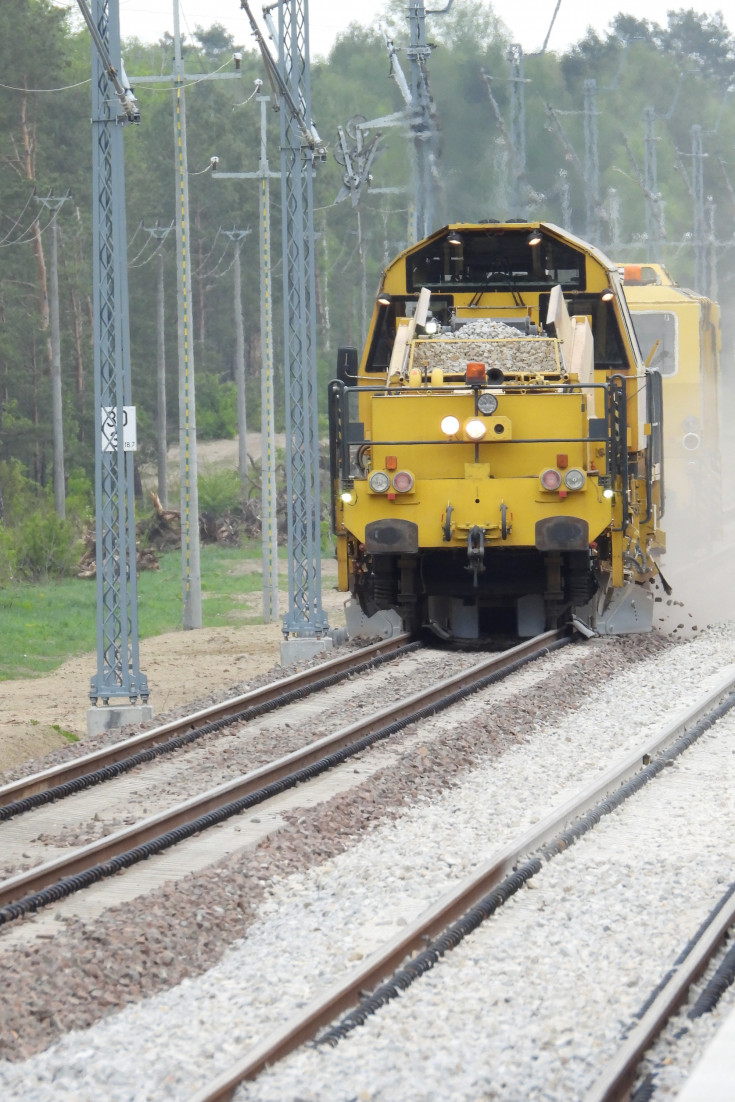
(182, 667)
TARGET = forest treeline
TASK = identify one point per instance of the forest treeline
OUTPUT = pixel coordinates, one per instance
(594, 120)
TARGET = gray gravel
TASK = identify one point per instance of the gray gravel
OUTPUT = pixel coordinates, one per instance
(312, 903)
(213, 760)
(90, 743)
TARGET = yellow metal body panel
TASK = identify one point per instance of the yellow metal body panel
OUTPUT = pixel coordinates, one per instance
(477, 501)
(486, 496)
(476, 479)
(542, 426)
(618, 544)
(343, 568)
(599, 274)
(691, 388)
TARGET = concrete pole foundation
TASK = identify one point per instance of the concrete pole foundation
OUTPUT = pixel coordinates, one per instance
(105, 718)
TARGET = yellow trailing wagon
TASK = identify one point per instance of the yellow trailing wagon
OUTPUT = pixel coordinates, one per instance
(678, 331)
(496, 453)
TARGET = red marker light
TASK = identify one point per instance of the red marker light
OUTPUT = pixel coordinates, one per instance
(403, 482)
(550, 479)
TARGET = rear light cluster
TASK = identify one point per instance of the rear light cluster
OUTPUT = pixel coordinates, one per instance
(402, 482)
(551, 479)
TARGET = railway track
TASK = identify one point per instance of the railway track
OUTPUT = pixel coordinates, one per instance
(677, 986)
(444, 926)
(563, 718)
(36, 887)
(120, 757)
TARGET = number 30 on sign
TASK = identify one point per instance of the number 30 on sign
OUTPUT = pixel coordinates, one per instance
(110, 429)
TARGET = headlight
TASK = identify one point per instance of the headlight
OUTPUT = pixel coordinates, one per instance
(487, 403)
(450, 425)
(379, 482)
(402, 482)
(574, 479)
(475, 429)
(550, 479)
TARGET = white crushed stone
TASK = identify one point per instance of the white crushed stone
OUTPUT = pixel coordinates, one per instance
(489, 328)
(468, 1029)
(487, 341)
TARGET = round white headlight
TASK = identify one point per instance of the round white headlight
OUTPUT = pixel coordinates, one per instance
(450, 425)
(379, 482)
(475, 429)
(487, 404)
(574, 479)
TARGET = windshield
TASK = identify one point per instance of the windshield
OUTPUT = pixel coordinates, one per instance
(494, 259)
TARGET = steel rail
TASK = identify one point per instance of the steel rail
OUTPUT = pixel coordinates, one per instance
(616, 1079)
(453, 904)
(97, 760)
(94, 859)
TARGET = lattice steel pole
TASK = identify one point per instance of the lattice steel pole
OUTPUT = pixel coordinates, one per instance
(159, 233)
(305, 618)
(713, 289)
(54, 203)
(269, 522)
(700, 232)
(191, 582)
(591, 162)
(237, 236)
(517, 110)
(118, 672)
(650, 178)
(269, 540)
(421, 120)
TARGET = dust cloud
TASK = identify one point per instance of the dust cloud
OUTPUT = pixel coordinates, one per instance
(699, 522)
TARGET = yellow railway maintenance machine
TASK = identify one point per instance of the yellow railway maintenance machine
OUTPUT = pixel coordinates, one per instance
(496, 454)
(679, 335)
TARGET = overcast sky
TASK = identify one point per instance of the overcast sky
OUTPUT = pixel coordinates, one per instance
(528, 20)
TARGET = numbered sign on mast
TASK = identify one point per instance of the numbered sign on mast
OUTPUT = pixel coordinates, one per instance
(110, 429)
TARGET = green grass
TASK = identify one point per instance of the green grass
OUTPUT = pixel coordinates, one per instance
(68, 735)
(43, 625)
